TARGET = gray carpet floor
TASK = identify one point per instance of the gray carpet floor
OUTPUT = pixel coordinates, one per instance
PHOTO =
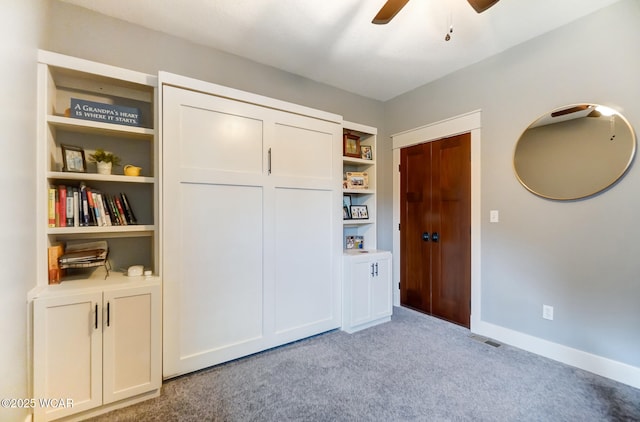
(414, 368)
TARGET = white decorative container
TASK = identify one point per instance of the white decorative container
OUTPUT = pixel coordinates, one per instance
(103, 168)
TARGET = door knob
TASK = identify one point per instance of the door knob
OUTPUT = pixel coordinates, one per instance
(435, 237)
(425, 236)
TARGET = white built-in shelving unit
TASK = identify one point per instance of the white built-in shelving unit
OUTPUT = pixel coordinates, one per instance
(96, 335)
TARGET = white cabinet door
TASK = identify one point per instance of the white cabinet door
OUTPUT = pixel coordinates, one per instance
(381, 292)
(305, 173)
(67, 353)
(251, 223)
(367, 290)
(360, 292)
(214, 229)
(131, 342)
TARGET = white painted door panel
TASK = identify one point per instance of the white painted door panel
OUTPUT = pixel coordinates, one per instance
(131, 342)
(381, 295)
(225, 142)
(360, 292)
(221, 267)
(213, 206)
(251, 224)
(302, 152)
(303, 248)
(67, 338)
(367, 289)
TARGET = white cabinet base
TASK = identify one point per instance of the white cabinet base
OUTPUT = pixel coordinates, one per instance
(98, 347)
(367, 289)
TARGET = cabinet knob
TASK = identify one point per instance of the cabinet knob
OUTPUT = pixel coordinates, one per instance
(425, 236)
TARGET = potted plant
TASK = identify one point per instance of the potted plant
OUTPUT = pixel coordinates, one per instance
(104, 160)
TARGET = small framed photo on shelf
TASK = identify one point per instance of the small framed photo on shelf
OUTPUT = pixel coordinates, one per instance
(359, 212)
(354, 242)
(366, 152)
(351, 145)
(346, 207)
(357, 180)
(73, 159)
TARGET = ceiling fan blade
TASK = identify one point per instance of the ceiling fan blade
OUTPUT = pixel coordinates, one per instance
(482, 5)
(388, 11)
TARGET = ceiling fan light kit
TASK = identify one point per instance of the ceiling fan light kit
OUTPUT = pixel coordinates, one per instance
(392, 7)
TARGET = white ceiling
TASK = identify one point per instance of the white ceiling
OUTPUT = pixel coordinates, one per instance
(334, 41)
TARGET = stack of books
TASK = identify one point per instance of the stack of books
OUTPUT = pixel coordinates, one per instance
(84, 254)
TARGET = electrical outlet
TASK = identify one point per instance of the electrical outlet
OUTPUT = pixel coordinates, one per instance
(547, 312)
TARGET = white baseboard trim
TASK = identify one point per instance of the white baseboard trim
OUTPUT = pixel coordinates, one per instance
(599, 365)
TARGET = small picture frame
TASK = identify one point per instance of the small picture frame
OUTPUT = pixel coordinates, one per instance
(346, 207)
(354, 242)
(73, 159)
(351, 145)
(366, 152)
(359, 212)
(357, 180)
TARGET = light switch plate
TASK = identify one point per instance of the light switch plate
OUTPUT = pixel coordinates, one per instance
(494, 216)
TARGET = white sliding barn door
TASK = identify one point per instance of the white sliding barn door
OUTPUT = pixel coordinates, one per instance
(251, 208)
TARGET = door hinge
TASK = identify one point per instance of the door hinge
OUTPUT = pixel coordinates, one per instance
(399, 167)
(398, 226)
(398, 286)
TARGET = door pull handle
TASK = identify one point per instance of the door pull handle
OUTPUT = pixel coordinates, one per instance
(108, 314)
(425, 236)
(96, 317)
(269, 161)
(376, 269)
(372, 270)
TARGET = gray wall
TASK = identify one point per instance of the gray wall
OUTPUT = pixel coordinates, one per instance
(78, 32)
(580, 257)
(20, 30)
(82, 33)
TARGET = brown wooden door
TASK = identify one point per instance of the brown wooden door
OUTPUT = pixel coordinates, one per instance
(435, 228)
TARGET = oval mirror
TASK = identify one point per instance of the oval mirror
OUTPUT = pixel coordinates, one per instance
(574, 152)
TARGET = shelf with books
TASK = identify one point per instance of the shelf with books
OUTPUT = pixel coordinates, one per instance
(359, 186)
(84, 249)
(85, 106)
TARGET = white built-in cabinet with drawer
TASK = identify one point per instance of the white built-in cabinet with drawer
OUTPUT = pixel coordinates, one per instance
(367, 289)
(252, 223)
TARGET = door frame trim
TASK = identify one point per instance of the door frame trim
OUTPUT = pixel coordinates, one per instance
(464, 123)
